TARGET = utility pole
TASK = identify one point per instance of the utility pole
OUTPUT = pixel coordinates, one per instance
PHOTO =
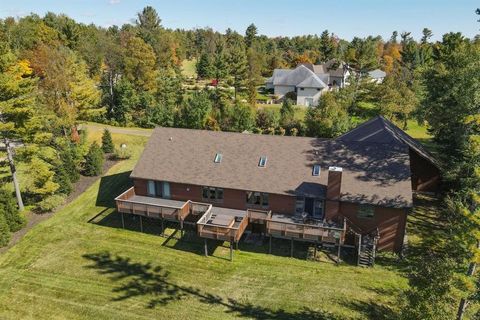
(14, 174)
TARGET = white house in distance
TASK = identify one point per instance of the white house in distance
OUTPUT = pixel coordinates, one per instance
(308, 81)
(377, 75)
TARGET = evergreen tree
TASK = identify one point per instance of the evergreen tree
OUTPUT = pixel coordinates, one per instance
(194, 112)
(242, 117)
(107, 142)
(204, 66)
(93, 161)
(8, 208)
(327, 46)
(4, 231)
(149, 24)
(286, 112)
(250, 35)
(237, 66)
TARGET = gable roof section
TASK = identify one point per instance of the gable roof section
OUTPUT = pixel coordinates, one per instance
(312, 82)
(381, 130)
(371, 173)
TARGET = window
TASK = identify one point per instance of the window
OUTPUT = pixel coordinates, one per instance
(299, 205)
(301, 89)
(212, 193)
(365, 211)
(316, 170)
(151, 188)
(257, 198)
(263, 161)
(318, 209)
(218, 158)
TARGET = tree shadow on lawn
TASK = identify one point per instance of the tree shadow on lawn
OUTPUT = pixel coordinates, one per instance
(147, 280)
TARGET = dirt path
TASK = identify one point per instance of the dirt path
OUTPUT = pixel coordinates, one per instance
(33, 219)
(121, 130)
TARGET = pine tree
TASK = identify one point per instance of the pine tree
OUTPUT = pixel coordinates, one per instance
(94, 160)
(4, 231)
(286, 112)
(107, 142)
(204, 66)
(8, 208)
(250, 35)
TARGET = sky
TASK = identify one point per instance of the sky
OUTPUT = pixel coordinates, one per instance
(345, 18)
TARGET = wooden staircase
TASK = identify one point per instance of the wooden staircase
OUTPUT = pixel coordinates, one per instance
(367, 249)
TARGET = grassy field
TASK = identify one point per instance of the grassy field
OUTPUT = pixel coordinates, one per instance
(189, 68)
(80, 265)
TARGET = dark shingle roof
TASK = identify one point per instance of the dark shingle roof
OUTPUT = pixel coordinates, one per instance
(381, 130)
(371, 173)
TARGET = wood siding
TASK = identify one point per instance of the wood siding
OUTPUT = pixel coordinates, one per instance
(425, 175)
(232, 198)
(390, 222)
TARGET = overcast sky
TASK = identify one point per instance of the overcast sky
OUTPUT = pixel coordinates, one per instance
(345, 18)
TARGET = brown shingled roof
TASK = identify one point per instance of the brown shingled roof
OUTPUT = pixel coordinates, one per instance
(371, 173)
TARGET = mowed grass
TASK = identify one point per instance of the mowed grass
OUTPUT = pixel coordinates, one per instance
(189, 68)
(70, 268)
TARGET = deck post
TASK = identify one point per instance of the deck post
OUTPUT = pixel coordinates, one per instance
(291, 247)
(338, 252)
(315, 251)
(123, 220)
(270, 245)
(163, 230)
(141, 224)
(236, 245)
(231, 251)
(206, 248)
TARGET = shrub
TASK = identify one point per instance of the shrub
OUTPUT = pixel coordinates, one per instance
(50, 203)
(4, 231)
(93, 161)
(107, 142)
(8, 208)
(122, 154)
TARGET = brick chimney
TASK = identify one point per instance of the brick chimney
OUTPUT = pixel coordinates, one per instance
(334, 184)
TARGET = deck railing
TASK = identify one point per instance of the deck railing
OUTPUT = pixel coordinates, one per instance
(225, 233)
(258, 216)
(311, 232)
(158, 211)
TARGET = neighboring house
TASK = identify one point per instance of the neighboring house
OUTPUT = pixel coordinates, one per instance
(355, 190)
(308, 81)
(377, 75)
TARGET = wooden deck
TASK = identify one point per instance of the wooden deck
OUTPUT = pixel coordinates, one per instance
(229, 224)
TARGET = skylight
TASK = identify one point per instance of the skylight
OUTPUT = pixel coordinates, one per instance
(218, 158)
(316, 170)
(263, 161)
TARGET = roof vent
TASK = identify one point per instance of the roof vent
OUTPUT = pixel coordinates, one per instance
(170, 139)
(262, 162)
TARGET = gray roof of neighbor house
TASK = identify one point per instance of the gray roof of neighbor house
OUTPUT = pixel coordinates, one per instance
(377, 74)
(333, 67)
(382, 131)
(372, 173)
(300, 74)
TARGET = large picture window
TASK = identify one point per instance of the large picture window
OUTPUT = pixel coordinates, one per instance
(257, 198)
(212, 194)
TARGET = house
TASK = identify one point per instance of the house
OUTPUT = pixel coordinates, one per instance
(377, 75)
(354, 191)
(307, 81)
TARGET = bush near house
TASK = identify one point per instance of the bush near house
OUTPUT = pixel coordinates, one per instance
(94, 159)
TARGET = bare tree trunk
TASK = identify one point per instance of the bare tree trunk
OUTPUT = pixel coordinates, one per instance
(14, 175)
(464, 302)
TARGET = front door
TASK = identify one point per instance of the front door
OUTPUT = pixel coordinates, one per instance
(309, 206)
(166, 190)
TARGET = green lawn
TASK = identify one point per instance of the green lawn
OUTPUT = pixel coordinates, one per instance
(189, 68)
(80, 265)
